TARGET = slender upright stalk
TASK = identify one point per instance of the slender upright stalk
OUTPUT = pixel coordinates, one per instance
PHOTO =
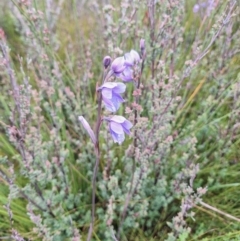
(97, 153)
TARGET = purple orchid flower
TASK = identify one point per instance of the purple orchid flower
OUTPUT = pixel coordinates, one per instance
(111, 95)
(118, 65)
(132, 58)
(126, 75)
(118, 125)
(121, 70)
(122, 66)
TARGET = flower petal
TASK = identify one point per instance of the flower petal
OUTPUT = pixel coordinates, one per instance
(109, 105)
(129, 60)
(126, 75)
(117, 100)
(135, 56)
(119, 138)
(109, 85)
(127, 124)
(114, 135)
(126, 130)
(107, 93)
(116, 127)
(118, 65)
(120, 88)
(118, 119)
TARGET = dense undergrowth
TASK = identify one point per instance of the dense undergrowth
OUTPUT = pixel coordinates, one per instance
(176, 177)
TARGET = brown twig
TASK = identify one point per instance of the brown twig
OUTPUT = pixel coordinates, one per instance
(219, 211)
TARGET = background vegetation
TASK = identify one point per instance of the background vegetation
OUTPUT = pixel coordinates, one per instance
(181, 176)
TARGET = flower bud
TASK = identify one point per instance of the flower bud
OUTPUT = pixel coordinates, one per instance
(142, 45)
(196, 8)
(106, 61)
(88, 129)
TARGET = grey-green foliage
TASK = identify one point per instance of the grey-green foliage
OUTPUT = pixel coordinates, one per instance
(182, 122)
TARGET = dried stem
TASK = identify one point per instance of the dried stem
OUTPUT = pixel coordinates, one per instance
(219, 211)
(132, 190)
